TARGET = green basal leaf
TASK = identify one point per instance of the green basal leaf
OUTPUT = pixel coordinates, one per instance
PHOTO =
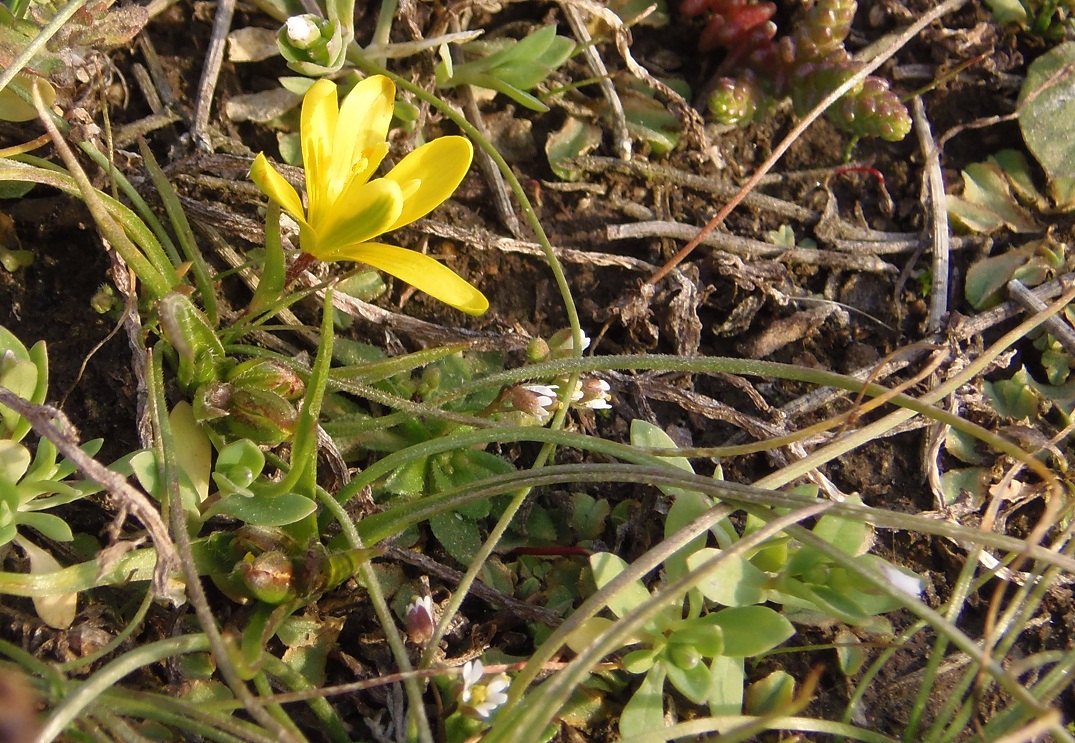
(51, 527)
(277, 510)
(1013, 398)
(458, 535)
(849, 535)
(751, 630)
(645, 709)
(1047, 109)
(695, 682)
(770, 695)
(726, 693)
(640, 661)
(737, 583)
(14, 460)
(606, 566)
(964, 485)
(588, 516)
(574, 139)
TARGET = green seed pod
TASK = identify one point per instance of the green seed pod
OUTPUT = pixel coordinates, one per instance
(263, 417)
(735, 101)
(269, 577)
(268, 375)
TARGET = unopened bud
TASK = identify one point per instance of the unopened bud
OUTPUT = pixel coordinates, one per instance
(303, 30)
(562, 344)
(269, 577)
(538, 400)
(537, 350)
(263, 417)
(420, 620)
(269, 375)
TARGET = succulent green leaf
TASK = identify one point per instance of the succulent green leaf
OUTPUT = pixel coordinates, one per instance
(771, 694)
(645, 709)
(606, 566)
(458, 535)
(574, 139)
(751, 630)
(276, 510)
(737, 583)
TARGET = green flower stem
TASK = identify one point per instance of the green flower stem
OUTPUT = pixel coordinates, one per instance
(264, 688)
(164, 255)
(304, 451)
(745, 367)
(332, 725)
(177, 517)
(92, 689)
(157, 282)
(177, 712)
(717, 725)
(271, 284)
(202, 275)
(54, 25)
(383, 611)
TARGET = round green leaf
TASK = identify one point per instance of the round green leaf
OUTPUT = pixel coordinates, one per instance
(1047, 108)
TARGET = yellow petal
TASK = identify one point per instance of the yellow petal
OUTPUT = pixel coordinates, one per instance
(276, 187)
(362, 125)
(320, 112)
(362, 213)
(440, 166)
(422, 272)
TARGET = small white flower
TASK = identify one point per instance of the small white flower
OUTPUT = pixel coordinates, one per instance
(478, 698)
(562, 343)
(302, 31)
(538, 400)
(592, 393)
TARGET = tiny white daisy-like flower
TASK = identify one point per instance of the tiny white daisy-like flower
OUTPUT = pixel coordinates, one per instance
(420, 620)
(482, 699)
(592, 393)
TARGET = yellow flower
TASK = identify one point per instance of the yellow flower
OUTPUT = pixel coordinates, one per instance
(341, 149)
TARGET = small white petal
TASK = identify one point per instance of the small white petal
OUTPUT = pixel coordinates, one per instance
(910, 585)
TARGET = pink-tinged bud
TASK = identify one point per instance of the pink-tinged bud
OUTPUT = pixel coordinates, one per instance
(538, 400)
(263, 417)
(420, 620)
(592, 393)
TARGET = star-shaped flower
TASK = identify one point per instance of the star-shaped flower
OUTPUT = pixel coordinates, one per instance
(341, 150)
